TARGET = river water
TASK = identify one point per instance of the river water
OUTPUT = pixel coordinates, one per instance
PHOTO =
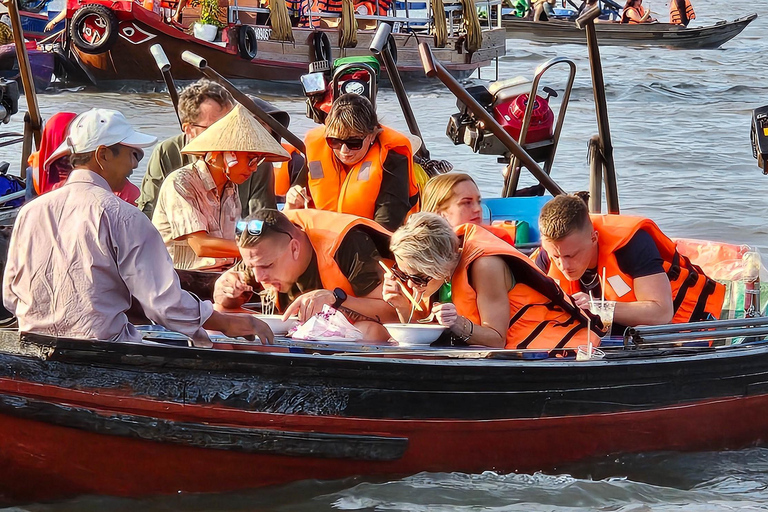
(680, 125)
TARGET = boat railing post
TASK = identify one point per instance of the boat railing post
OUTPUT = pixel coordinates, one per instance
(587, 22)
(595, 175)
(33, 122)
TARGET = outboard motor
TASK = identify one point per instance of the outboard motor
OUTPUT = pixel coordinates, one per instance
(357, 75)
(506, 100)
(759, 137)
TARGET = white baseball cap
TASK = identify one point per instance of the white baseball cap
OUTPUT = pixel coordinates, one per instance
(99, 127)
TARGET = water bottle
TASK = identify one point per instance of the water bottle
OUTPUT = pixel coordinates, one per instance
(751, 279)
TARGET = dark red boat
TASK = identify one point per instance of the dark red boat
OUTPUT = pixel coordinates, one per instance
(79, 417)
(111, 41)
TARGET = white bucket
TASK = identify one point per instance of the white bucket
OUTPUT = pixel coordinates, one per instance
(205, 32)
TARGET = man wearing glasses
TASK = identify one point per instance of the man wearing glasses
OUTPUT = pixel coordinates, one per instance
(200, 105)
(78, 254)
(312, 258)
(199, 204)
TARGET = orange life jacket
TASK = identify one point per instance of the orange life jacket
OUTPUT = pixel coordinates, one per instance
(675, 16)
(354, 191)
(501, 232)
(283, 171)
(694, 295)
(639, 11)
(326, 231)
(541, 315)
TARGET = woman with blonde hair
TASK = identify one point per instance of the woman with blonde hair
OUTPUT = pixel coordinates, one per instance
(499, 298)
(455, 197)
(358, 166)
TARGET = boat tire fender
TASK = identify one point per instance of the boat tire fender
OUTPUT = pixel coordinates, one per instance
(322, 46)
(247, 42)
(93, 29)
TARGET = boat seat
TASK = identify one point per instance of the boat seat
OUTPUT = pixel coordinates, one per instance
(523, 211)
(724, 263)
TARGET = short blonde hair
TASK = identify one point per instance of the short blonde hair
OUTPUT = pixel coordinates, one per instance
(428, 244)
(351, 115)
(439, 190)
(563, 215)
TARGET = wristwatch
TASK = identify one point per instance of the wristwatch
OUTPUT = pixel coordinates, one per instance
(340, 296)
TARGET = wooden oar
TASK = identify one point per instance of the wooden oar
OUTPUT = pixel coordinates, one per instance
(403, 287)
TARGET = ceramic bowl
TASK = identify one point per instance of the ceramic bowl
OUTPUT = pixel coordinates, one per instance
(276, 323)
(414, 334)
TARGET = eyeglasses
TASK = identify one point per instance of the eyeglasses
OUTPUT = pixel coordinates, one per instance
(256, 227)
(417, 279)
(353, 144)
(200, 126)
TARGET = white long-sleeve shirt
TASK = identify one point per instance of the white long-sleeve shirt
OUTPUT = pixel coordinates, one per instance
(78, 254)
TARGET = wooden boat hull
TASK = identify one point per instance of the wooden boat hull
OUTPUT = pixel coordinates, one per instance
(41, 62)
(618, 34)
(129, 58)
(81, 417)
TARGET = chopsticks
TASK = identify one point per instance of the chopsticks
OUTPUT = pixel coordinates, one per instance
(402, 285)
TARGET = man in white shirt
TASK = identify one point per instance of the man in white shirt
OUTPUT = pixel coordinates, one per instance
(78, 254)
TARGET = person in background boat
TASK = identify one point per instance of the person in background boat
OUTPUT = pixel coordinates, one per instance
(358, 166)
(543, 10)
(55, 20)
(311, 258)
(652, 282)
(455, 197)
(199, 204)
(78, 255)
(51, 173)
(634, 12)
(681, 12)
(499, 298)
(200, 105)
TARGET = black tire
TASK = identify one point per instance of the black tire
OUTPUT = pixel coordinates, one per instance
(247, 42)
(83, 35)
(392, 44)
(322, 46)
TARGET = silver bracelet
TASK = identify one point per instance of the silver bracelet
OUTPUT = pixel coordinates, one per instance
(466, 337)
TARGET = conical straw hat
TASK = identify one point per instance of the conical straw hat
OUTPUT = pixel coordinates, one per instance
(238, 131)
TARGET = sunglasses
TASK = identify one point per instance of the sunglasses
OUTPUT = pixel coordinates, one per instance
(256, 227)
(353, 144)
(417, 279)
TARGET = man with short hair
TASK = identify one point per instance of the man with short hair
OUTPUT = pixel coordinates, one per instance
(79, 254)
(651, 281)
(200, 105)
(311, 258)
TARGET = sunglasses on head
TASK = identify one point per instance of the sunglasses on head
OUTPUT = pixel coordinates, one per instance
(353, 143)
(256, 227)
(417, 279)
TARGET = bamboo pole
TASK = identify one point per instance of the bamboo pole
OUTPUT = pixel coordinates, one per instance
(33, 122)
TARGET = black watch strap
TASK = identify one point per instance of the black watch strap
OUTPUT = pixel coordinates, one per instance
(340, 296)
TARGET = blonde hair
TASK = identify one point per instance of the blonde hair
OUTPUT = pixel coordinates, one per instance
(428, 244)
(351, 115)
(439, 190)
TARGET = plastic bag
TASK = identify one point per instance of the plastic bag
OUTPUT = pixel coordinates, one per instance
(328, 325)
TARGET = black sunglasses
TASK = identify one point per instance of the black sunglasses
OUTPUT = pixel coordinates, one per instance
(354, 143)
(256, 227)
(418, 279)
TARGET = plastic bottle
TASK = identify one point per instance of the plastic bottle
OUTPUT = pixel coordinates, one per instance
(751, 279)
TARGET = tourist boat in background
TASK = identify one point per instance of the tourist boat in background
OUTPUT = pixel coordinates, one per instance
(624, 34)
(111, 41)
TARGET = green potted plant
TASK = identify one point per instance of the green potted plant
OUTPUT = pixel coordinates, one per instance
(208, 24)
